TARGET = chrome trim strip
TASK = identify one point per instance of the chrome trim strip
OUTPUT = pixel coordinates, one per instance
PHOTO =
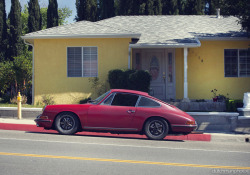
(186, 126)
(41, 120)
(105, 128)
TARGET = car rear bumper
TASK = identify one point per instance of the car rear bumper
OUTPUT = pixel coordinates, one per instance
(184, 128)
(40, 122)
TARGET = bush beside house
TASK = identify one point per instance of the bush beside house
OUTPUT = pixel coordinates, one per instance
(129, 79)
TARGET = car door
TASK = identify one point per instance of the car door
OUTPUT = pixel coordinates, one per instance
(115, 113)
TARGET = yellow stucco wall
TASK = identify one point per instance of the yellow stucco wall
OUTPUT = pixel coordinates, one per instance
(50, 61)
(206, 71)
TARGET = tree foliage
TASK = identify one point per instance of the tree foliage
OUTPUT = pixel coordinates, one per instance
(86, 10)
(15, 41)
(194, 7)
(239, 8)
(3, 31)
(34, 19)
(16, 75)
(52, 14)
(107, 9)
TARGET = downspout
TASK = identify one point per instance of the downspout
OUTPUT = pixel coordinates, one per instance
(129, 57)
(33, 76)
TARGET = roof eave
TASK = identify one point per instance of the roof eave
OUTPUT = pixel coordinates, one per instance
(83, 36)
(224, 38)
(179, 45)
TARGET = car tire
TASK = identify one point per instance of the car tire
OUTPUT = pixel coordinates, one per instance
(67, 123)
(156, 128)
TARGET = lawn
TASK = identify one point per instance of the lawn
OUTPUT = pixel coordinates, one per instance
(23, 105)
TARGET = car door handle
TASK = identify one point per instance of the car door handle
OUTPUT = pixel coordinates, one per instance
(130, 111)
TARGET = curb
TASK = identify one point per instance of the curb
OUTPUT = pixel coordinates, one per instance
(33, 128)
(29, 126)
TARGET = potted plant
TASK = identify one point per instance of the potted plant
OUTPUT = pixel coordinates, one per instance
(215, 97)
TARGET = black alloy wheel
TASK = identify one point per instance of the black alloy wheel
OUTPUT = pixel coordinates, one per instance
(156, 128)
(67, 123)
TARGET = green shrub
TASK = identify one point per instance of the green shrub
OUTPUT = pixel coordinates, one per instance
(116, 79)
(97, 86)
(232, 105)
(48, 100)
(140, 80)
(14, 100)
(129, 79)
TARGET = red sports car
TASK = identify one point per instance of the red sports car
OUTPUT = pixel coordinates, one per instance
(119, 111)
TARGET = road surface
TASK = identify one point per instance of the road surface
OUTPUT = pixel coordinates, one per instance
(50, 153)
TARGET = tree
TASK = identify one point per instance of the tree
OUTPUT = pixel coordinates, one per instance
(157, 7)
(63, 13)
(135, 9)
(124, 7)
(16, 76)
(15, 41)
(107, 9)
(52, 14)
(170, 7)
(180, 6)
(34, 20)
(211, 6)
(86, 10)
(239, 8)
(194, 7)
(25, 16)
(149, 8)
(3, 31)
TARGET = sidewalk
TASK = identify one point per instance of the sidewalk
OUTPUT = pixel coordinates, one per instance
(29, 125)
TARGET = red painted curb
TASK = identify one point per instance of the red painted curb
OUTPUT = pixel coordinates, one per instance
(34, 128)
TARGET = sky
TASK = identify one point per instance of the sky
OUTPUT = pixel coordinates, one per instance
(44, 3)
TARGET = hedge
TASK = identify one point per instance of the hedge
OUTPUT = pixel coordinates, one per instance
(129, 79)
(232, 105)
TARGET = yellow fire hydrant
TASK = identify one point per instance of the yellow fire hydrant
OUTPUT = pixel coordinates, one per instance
(19, 106)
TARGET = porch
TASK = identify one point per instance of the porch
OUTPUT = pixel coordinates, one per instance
(168, 68)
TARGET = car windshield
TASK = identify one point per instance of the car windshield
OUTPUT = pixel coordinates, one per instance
(96, 101)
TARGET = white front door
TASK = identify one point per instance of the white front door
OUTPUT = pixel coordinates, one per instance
(161, 65)
(155, 62)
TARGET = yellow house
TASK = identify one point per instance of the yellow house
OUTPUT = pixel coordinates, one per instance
(187, 56)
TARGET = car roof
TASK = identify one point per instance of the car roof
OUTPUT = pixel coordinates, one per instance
(130, 91)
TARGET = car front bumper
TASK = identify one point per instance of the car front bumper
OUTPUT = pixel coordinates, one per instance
(42, 122)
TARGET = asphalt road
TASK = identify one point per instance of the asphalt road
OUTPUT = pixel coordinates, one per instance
(43, 153)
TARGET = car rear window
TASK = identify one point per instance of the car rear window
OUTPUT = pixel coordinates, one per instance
(146, 102)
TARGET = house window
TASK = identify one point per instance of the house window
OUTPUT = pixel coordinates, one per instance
(82, 61)
(237, 62)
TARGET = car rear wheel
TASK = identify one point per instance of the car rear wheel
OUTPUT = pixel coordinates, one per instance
(67, 123)
(156, 128)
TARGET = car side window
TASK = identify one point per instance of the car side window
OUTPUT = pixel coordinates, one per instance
(121, 99)
(146, 102)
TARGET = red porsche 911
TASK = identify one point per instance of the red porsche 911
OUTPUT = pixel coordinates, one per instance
(119, 111)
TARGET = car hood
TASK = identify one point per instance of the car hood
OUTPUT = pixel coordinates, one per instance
(67, 107)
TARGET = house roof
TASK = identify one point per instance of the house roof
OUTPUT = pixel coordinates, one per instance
(152, 31)
(82, 29)
(180, 30)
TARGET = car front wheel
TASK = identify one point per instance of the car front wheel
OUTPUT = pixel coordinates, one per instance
(67, 123)
(156, 128)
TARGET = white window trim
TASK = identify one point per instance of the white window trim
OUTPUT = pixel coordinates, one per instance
(82, 61)
(238, 61)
